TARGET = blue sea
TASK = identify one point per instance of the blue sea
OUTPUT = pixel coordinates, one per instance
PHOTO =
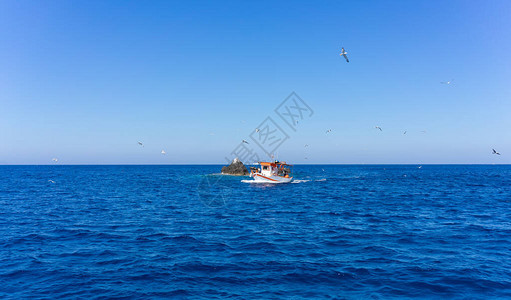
(182, 232)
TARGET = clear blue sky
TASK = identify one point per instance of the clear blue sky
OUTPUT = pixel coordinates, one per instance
(83, 81)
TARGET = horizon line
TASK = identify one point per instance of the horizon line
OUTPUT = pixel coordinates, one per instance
(313, 164)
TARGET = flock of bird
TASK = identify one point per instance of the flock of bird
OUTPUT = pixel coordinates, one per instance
(306, 145)
(342, 54)
(345, 55)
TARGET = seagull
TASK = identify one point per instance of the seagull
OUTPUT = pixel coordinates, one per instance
(419, 167)
(343, 53)
(244, 142)
(378, 127)
(140, 143)
(257, 130)
(51, 181)
(495, 152)
(404, 132)
(423, 131)
(163, 152)
(55, 159)
(447, 82)
(306, 145)
(329, 130)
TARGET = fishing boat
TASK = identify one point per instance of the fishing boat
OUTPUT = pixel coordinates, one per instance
(272, 172)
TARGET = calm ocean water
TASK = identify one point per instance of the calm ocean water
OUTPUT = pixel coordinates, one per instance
(176, 232)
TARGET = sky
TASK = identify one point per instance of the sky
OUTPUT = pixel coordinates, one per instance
(84, 81)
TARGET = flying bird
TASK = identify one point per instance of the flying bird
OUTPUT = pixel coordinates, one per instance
(55, 159)
(329, 130)
(495, 152)
(419, 167)
(306, 145)
(244, 142)
(423, 131)
(140, 143)
(257, 130)
(163, 152)
(404, 132)
(51, 181)
(343, 53)
(378, 127)
(447, 82)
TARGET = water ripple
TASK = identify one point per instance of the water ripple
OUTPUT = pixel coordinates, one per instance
(341, 232)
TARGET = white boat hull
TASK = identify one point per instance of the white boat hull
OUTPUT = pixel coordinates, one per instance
(271, 179)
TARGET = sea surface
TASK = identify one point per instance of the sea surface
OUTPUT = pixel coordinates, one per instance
(182, 232)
